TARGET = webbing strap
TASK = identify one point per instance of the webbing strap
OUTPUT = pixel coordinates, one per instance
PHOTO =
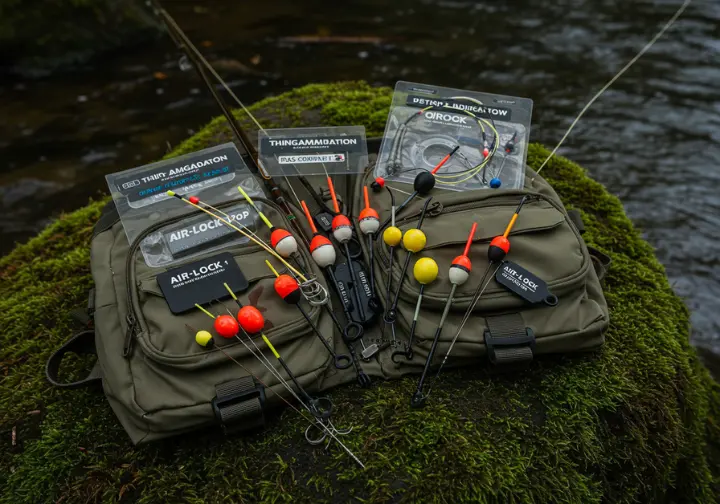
(238, 404)
(508, 340)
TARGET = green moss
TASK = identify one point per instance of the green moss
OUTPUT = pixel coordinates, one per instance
(635, 422)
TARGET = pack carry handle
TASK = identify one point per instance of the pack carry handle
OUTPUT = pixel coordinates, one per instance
(82, 343)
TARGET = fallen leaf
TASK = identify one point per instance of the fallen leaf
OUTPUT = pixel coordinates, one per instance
(206, 43)
(160, 76)
(255, 60)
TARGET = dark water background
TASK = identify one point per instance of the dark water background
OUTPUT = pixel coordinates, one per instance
(653, 139)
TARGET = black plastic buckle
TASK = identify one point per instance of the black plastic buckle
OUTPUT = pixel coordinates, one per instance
(240, 397)
(491, 343)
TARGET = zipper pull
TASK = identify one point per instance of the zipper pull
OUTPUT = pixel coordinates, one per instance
(435, 209)
(129, 335)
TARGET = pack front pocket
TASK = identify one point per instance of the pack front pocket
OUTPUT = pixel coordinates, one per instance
(169, 339)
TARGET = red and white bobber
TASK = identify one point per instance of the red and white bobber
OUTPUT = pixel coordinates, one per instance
(461, 265)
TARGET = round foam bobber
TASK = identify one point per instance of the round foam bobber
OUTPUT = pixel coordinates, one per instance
(341, 228)
(499, 247)
(414, 240)
(283, 242)
(369, 221)
(495, 183)
(204, 338)
(251, 319)
(226, 326)
(392, 236)
(424, 182)
(194, 200)
(288, 289)
(322, 251)
(378, 184)
(425, 270)
(486, 152)
(460, 270)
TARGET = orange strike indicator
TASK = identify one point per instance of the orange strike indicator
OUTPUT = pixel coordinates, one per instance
(321, 249)
(444, 160)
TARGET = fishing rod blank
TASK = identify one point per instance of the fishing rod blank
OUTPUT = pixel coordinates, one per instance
(289, 290)
(458, 275)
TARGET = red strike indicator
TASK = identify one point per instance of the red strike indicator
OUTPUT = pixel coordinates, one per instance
(341, 226)
(369, 218)
(226, 326)
(282, 241)
(321, 249)
(288, 289)
(251, 320)
(461, 265)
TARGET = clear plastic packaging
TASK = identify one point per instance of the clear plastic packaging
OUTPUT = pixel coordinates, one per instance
(487, 135)
(336, 150)
(213, 174)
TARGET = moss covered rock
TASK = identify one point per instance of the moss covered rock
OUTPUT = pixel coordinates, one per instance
(634, 422)
(40, 36)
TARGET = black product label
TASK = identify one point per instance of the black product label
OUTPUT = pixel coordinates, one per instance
(323, 220)
(329, 147)
(346, 286)
(524, 283)
(484, 111)
(201, 282)
(196, 169)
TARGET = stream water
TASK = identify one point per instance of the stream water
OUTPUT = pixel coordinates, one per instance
(653, 139)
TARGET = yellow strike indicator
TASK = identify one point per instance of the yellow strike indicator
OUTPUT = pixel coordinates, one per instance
(271, 268)
(204, 311)
(252, 204)
(271, 347)
(227, 287)
(510, 225)
(250, 236)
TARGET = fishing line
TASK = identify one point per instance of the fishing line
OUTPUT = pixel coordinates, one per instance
(319, 419)
(630, 63)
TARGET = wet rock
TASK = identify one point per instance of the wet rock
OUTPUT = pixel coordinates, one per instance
(47, 36)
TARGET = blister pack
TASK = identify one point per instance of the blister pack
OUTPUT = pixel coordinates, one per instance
(486, 136)
(141, 198)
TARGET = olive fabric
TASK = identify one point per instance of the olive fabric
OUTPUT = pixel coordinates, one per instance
(161, 383)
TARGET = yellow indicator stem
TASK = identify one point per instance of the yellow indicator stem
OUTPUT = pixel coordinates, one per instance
(271, 268)
(271, 347)
(252, 204)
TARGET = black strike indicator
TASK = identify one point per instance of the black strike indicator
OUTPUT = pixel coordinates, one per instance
(289, 290)
(369, 222)
(323, 253)
(458, 275)
(342, 231)
(424, 183)
(498, 249)
(425, 271)
(281, 240)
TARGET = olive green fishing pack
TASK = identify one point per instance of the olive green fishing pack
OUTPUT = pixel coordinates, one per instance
(160, 383)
